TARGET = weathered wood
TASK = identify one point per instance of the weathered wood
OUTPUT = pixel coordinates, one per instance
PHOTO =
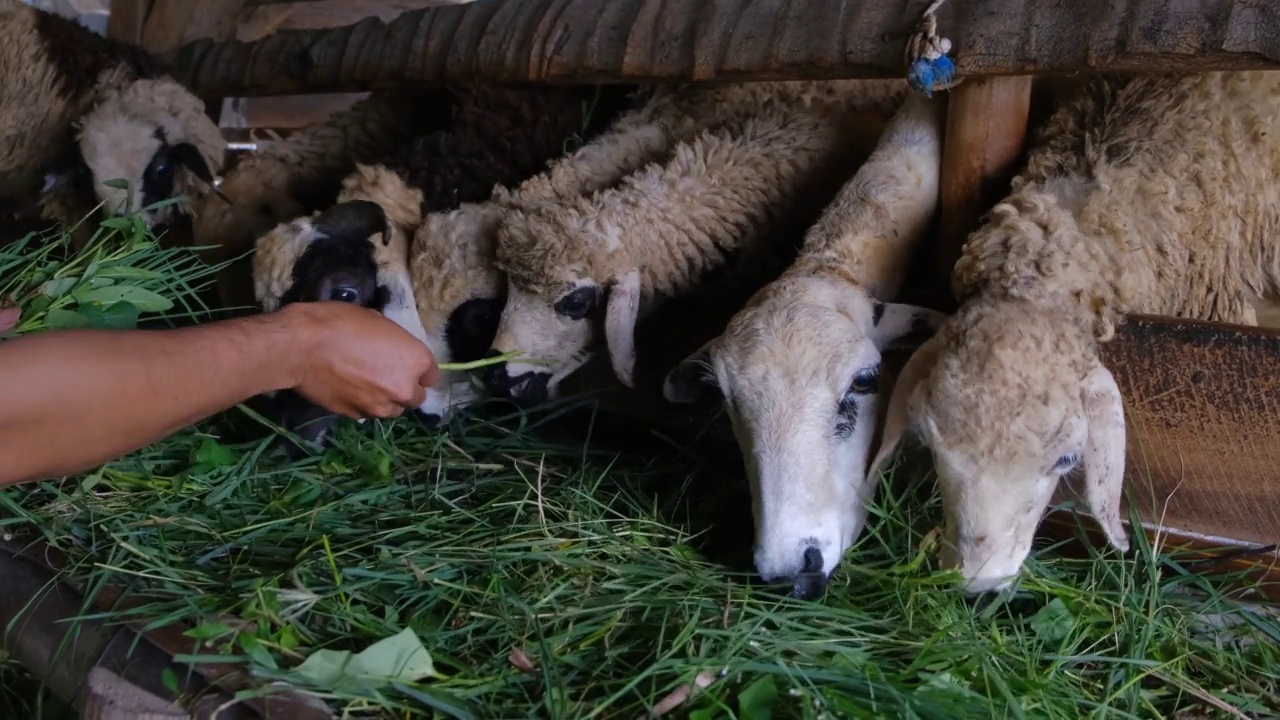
(46, 619)
(665, 40)
(985, 135)
(127, 19)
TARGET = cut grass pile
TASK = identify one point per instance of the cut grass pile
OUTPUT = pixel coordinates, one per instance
(546, 576)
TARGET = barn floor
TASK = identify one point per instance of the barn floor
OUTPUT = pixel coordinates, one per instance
(554, 565)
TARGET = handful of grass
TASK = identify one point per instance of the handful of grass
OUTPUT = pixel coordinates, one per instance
(121, 275)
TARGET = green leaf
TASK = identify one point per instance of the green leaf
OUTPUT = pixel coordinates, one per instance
(208, 631)
(710, 713)
(756, 702)
(144, 300)
(438, 700)
(117, 183)
(57, 287)
(399, 658)
(256, 652)
(59, 319)
(215, 454)
(37, 306)
(1053, 621)
(169, 679)
(116, 316)
(128, 272)
(117, 223)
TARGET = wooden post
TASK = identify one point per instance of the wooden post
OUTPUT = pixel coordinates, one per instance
(985, 136)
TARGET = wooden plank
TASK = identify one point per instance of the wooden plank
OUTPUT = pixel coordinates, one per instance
(985, 135)
(127, 19)
(666, 40)
(174, 22)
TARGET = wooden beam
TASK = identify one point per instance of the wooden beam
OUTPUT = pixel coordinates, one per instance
(665, 40)
(985, 135)
(127, 19)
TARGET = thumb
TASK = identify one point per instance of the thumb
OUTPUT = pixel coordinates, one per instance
(9, 317)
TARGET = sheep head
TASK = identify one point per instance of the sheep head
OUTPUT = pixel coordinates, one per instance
(798, 371)
(154, 135)
(1010, 397)
(568, 275)
(460, 292)
(352, 252)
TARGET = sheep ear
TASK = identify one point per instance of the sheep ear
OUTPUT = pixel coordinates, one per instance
(1104, 453)
(686, 382)
(189, 157)
(896, 421)
(354, 218)
(620, 324)
(896, 326)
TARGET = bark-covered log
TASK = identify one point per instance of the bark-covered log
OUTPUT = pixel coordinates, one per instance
(666, 40)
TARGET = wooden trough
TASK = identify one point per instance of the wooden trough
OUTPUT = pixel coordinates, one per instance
(1204, 448)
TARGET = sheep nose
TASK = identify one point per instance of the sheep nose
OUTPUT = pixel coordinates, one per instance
(529, 388)
(811, 582)
(495, 375)
(429, 420)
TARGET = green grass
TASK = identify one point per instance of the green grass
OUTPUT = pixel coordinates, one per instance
(548, 576)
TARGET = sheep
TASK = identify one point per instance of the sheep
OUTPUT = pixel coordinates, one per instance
(732, 165)
(798, 367)
(303, 174)
(1140, 195)
(78, 110)
(499, 137)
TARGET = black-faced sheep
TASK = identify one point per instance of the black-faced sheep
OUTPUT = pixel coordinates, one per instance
(78, 110)
(798, 368)
(743, 159)
(1141, 195)
(502, 136)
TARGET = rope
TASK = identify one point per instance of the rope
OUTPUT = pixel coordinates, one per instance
(928, 67)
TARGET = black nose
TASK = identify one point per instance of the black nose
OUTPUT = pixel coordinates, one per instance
(811, 583)
(429, 420)
(495, 376)
(528, 389)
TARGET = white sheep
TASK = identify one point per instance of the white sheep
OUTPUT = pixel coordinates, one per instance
(798, 368)
(78, 110)
(1150, 194)
(725, 181)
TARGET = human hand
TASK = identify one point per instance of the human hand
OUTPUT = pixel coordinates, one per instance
(357, 363)
(9, 317)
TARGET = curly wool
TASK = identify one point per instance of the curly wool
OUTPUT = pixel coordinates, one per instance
(717, 195)
(1116, 213)
(674, 114)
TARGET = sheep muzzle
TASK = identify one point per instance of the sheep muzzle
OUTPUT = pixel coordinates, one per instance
(526, 389)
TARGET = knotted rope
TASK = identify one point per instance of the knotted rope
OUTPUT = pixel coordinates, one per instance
(928, 67)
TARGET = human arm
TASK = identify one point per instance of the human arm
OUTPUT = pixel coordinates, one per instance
(73, 399)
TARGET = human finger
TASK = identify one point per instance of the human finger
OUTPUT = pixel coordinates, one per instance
(9, 317)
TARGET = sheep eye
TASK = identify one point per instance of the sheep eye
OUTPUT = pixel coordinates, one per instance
(1066, 462)
(157, 179)
(865, 381)
(577, 304)
(345, 294)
